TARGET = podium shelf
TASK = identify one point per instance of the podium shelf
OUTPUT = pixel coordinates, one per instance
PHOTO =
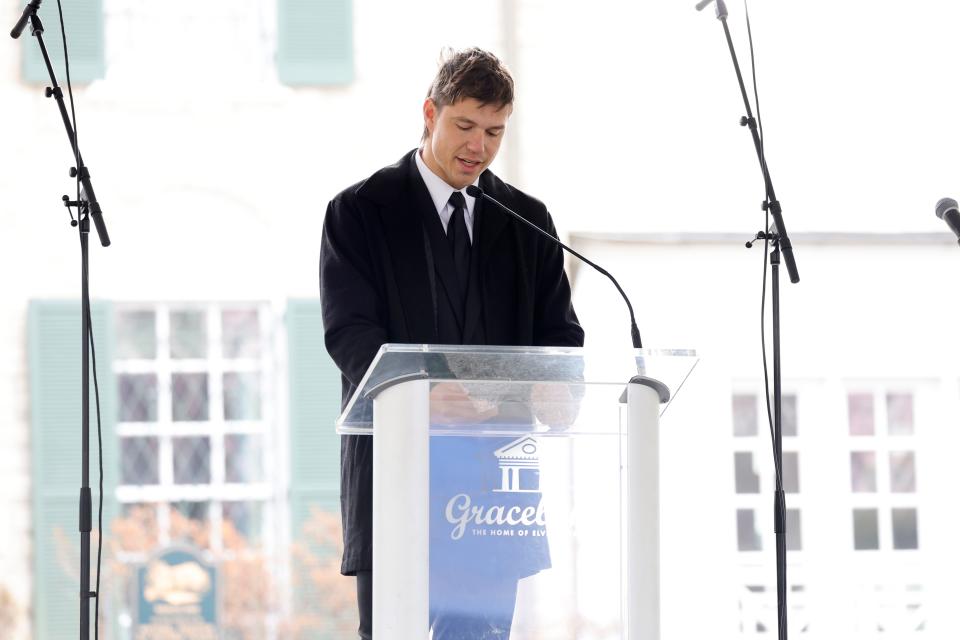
(541, 389)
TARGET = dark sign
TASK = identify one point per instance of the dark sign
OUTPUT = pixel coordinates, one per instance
(177, 595)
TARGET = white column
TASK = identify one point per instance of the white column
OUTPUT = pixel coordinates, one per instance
(401, 520)
(643, 518)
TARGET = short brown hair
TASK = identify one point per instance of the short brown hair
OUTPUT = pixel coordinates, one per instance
(471, 73)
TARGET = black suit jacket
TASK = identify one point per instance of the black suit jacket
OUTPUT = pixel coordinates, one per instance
(376, 286)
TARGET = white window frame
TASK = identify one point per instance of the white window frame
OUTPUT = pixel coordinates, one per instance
(268, 490)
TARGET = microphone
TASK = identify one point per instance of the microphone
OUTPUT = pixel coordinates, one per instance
(948, 211)
(29, 10)
(477, 192)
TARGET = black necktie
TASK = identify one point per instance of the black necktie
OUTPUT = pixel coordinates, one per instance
(459, 241)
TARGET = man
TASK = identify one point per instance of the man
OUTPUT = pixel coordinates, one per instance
(408, 257)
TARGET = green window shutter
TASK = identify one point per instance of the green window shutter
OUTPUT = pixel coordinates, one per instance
(83, 20)
(315, 42)
(55, 358)
(319, 594)
(314, 407)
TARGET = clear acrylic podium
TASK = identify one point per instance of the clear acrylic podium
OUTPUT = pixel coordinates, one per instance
(526, 467)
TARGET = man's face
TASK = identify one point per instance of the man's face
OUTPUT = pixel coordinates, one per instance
(462, 138)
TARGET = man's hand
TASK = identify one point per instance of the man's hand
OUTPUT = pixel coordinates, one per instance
(451, 404)
(553, 405)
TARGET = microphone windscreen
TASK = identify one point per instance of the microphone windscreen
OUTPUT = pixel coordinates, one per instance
(944, 205)
(476, 192)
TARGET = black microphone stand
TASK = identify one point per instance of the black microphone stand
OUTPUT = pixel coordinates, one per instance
(87, 207)
(777, 237)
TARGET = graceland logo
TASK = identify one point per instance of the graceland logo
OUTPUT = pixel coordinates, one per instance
(519, 464)
(461, 512)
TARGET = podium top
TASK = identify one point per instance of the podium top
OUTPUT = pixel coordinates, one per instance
(506, 374)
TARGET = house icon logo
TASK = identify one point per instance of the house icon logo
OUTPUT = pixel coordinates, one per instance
(516, 508)
(519, 466)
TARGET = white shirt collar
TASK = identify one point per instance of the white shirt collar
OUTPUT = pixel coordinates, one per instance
(440, 193)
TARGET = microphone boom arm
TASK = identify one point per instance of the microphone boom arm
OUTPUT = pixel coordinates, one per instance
(477, 192)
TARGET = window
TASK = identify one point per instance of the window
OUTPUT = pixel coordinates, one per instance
(751, 441)
(754, 484)
(216, 482)
(194, 419)
(883, 469)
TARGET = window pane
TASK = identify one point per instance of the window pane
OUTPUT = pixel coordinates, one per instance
(904, 528)
(900, 414)
(188, 334)
(788, 415)
(136, 333)
(190, 510)
(863, 471)
(189, 397)
(791, 472)
(860, 414)
(744, 415)
(139, 461)
(903, 472)
(746, 478)
(243, 458)
(138, 397)
(189, 522)
(191, 460)
(794, 539)
(241, 396)
(747, 537)
(137, 529)
(866, 530)
(245, 518)
(241, 333)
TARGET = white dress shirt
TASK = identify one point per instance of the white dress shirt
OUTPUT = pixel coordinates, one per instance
(440, 193)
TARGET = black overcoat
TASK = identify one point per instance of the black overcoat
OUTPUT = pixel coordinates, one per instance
(375, 288)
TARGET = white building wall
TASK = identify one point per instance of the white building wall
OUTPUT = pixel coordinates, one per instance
(630, 113)
(867, 311)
